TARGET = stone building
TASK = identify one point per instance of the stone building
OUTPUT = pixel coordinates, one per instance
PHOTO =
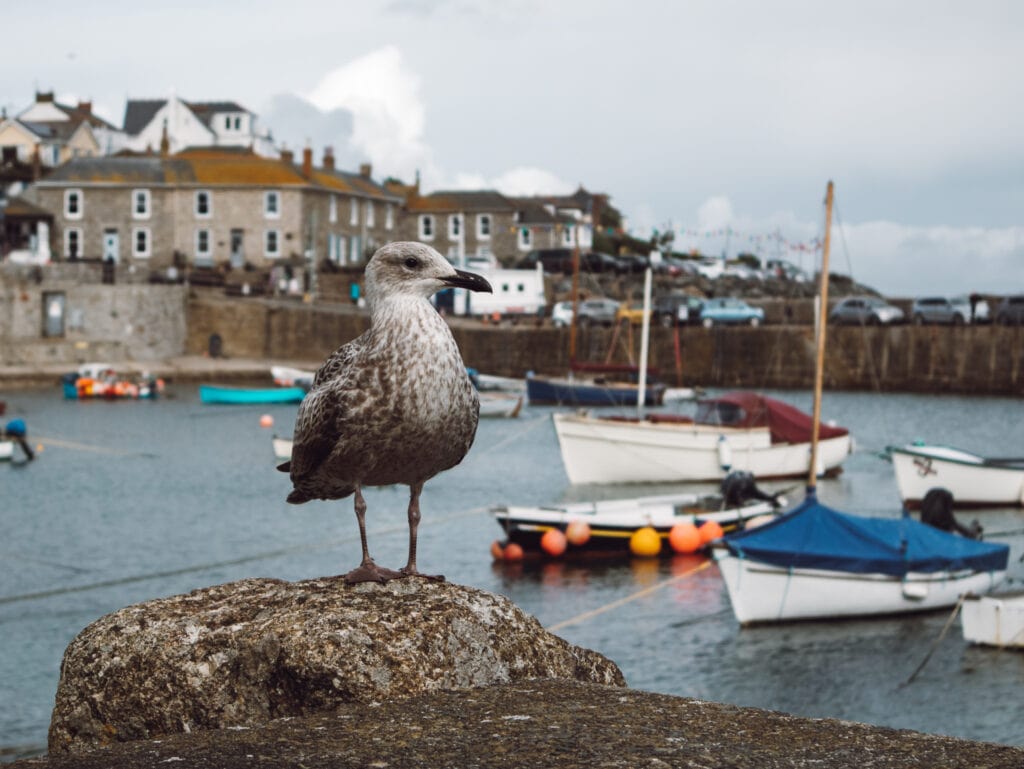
(215, 207)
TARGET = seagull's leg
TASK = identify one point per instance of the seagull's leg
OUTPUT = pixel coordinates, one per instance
(367, 571)
(410, 569)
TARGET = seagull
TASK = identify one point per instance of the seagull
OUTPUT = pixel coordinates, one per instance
(395, 405)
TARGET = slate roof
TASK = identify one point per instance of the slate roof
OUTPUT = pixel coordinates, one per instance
(208, 166)
(138, 113)
(453, 201)
(205, 110)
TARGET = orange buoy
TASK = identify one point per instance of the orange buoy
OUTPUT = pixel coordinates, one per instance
(709, 531)
(684, 538)
(645, 542)
(513, 552)
(553, 542)
(266, 421)
(577, 532)
(497, 551)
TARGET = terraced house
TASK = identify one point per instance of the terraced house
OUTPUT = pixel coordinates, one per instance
(216, 207)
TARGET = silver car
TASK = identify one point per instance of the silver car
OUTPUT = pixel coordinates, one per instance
(865, 310)
(956, 311)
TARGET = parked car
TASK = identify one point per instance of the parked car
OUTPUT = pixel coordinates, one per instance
(711, 268)
(597, 310)
(598, 261)
(673, 266)
(957, 310)
(553, 259)
(631, 311)
(1010, 311)
(729, 310)
(680, 309)
(865, 310)
(785, 270)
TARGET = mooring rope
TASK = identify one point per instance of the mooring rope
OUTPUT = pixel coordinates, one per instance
(623, 601)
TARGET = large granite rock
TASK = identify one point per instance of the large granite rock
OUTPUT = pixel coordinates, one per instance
(244, 653)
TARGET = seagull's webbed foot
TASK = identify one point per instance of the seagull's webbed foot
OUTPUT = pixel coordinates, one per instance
(414, 572)
(368, 571)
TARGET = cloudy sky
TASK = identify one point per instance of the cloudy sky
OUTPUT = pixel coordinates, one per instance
(709, 117)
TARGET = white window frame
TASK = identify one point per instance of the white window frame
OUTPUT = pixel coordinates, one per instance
(353, 214)
(455, 228)
(274, 195)
(68, 232)
(276, 251)
(567, 239)
(200, 253)
(143, 253)
(524, 238)
(354, 245)
(332, 209)
(371, 216)
(79, 198)
(484, 226)
(209, 204)
(427, 227)
(142, 195)
(389, 216)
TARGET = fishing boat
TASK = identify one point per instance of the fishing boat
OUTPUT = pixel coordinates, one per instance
(500, 404)
(282, 448)
(814, 562)
(611, 524)
(735, 431)
(286, 376)
(994, 620)
(590, 391)
(494, 383)
(249, 395)
(100, 380)
(973, 480)
(6, 449)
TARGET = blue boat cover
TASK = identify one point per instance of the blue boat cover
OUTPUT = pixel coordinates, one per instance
(813, 536)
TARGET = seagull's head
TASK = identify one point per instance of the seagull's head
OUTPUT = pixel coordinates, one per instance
(415, 269)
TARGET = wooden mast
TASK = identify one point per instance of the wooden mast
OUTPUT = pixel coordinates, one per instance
(819, 368)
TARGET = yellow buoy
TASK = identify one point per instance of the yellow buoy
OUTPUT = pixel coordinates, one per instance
(645, 542)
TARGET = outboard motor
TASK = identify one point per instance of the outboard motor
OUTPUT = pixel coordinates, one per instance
(937, 511)
(739, 486)
(16, 429)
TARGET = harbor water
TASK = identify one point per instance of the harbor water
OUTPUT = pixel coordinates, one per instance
(130, 501)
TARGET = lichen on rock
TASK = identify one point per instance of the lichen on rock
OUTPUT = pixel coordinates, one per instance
(247, 652)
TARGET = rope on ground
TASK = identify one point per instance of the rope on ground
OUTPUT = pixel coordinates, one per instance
(304, 548)
(937, 641)
(622, 601)
(63, 444)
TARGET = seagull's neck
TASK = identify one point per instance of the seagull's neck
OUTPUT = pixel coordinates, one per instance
(403, 315)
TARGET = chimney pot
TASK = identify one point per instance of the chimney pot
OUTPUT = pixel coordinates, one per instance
(365, 170)
(329, 158)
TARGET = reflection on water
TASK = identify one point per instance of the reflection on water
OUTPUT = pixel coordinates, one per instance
(161, 498)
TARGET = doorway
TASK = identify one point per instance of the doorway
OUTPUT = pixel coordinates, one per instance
(111, 246)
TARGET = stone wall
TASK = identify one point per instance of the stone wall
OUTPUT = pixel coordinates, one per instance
(973, 360)
(101, 322)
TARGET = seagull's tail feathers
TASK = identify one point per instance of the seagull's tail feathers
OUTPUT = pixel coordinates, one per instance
(298, 496)
(285, 467)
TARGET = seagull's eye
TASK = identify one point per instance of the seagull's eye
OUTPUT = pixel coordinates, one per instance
(412, 262)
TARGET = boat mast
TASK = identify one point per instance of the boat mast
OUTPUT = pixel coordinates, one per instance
(575, 293)
(645, 335)
(819, 367)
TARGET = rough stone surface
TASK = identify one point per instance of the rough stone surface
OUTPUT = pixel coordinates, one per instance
(548, 723)
(244, 653)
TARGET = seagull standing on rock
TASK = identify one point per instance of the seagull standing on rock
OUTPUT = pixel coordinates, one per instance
(394, 405)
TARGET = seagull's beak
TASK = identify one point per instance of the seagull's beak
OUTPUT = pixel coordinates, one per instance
(468, 280)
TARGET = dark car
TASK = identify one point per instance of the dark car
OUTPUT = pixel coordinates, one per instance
(598, 261)
(1010, 311)
(677, 309)
(553, 259)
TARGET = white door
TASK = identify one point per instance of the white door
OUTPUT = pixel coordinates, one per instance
(111, 246)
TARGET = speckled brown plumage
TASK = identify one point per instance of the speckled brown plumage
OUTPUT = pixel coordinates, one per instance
(394, 405)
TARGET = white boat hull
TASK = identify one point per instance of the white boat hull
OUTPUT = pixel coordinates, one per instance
(282, 448)
(500, 404)
(605, 451)
(6, 450)
(971, 482)
(994, 620)
(763, 593)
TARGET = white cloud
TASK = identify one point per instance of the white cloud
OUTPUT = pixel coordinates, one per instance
(714, 213)
(383, 96)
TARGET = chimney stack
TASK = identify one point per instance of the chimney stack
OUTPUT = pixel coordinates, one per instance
(307, 161)
(85, 106)
(365, 170)
(329, 158)
(287, 156)
(44, 96)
